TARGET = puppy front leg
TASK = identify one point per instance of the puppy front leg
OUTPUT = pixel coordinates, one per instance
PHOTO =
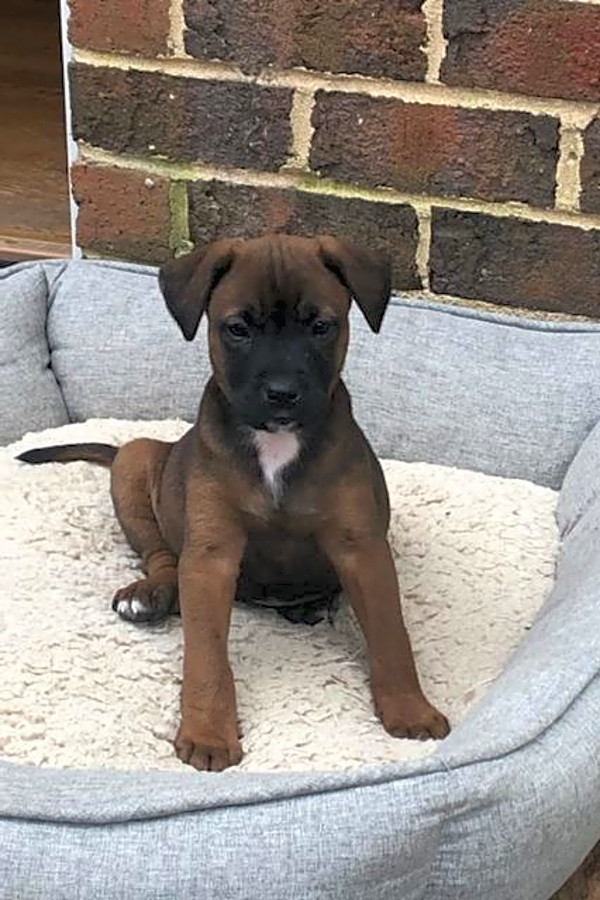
(366, 570)
(208, 571)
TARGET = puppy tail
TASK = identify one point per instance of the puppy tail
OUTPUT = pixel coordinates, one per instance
(101, 454)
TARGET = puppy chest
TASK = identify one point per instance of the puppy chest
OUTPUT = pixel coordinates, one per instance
(279, 559)
(276, 452)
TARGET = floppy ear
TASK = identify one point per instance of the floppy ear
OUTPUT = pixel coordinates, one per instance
(187, 283)
(366, 274)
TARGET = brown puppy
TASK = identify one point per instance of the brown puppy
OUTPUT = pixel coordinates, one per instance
(274, 496)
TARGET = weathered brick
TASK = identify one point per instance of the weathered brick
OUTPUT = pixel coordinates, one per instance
(370, 37)
(122, 213)
(218, 209)
(444, 150)
(536, 47)
(151, 114)
(590, 169)
(514, 262)
(132, 26)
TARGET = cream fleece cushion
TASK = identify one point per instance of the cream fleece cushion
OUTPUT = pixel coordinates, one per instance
(82, 688)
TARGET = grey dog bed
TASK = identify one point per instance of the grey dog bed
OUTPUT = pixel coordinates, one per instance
(509, 804)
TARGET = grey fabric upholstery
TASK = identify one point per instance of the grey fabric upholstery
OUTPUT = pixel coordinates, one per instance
(439, 384)
(30, 397)
(509, 804)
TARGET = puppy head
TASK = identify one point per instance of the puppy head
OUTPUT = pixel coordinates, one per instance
(277, 310)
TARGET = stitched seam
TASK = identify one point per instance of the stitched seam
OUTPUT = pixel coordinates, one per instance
(51, 291)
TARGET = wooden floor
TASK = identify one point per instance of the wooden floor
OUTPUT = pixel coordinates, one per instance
(34, 204)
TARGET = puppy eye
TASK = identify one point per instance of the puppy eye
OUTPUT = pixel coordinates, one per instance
(237, 330)
(321, 327)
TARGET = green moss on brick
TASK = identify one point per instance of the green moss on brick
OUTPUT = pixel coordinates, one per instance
(179, 233)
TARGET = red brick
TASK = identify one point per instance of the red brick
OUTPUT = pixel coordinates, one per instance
(218, 209)
(514, 262)
(369, 37)
(590, 169)
(122, 213)
(151, 114)
(435, 149)
(132, 26)
(536, 47)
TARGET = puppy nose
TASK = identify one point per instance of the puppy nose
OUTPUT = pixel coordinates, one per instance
(281, 392)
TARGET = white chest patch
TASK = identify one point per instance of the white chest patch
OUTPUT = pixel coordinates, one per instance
(275, 452)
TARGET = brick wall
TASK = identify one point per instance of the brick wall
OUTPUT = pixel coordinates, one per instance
(462, 136)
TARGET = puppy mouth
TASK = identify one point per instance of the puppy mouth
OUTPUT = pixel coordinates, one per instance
(280, 423)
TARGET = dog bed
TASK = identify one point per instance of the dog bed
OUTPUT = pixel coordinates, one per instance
(476, 557)
(507, 806)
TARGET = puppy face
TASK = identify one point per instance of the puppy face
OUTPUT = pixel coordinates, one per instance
(278, 320)
(278, 334)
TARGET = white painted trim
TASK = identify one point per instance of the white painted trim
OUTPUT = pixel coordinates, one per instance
(72, 148)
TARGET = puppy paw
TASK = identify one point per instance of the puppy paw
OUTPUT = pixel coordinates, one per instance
(146, 600)
(206, 749)
(409, 716)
